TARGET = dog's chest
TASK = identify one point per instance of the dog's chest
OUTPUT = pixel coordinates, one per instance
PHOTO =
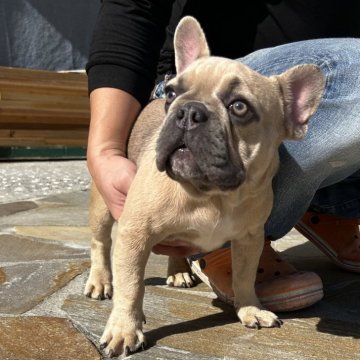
(214, 235)
(210, 229)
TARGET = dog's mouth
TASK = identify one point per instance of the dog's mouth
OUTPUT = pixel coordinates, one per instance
(181, 164)
(181, 154)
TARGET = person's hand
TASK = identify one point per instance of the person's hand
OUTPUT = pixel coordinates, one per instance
(113, 174)
(113, 113)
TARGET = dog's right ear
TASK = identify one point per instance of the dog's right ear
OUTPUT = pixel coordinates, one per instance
(189, 43)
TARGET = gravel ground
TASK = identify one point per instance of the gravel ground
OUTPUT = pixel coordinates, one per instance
(33, 179)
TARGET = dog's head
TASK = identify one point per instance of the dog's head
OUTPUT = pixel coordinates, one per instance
(224, 122)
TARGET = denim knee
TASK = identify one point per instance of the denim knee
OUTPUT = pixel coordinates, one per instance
(330, 152)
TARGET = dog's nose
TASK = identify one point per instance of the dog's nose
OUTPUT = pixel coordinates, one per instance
(191, 115)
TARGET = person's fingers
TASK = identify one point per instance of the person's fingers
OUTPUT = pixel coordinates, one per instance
(116, 207)
(113, 179)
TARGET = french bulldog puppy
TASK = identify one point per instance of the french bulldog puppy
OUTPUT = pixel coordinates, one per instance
(206, 157)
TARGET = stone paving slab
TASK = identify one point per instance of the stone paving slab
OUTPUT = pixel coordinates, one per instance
(2, 277)
(13, 208)
(52, 212)
(35, 249)
(44, 261)
(43, 338)
(195, 325)
(28, 284)
(73, 236)
(192, 322)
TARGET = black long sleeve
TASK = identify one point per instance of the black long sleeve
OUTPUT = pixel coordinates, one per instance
(129, 37)
(126, 44)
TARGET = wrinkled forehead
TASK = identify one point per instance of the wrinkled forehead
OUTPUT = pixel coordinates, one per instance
(214, 75)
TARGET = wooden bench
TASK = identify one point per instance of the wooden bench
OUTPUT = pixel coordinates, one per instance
(43, 108)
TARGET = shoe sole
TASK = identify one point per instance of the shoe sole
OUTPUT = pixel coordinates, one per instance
(326, 249)
(293, 300)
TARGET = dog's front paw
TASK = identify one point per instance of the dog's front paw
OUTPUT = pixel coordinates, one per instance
(122, 336)
(253, 317)
(181, 279)
(98, 285)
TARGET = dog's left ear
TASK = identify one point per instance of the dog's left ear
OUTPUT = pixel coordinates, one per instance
(302, 88)
(189, 43)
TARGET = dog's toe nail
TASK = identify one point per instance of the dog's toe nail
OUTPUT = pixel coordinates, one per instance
(254, 325)
(108, 296)
(88, 294)
(103, 346)
(111, 353)
(143, 346)
(183, 285)
(127, 351)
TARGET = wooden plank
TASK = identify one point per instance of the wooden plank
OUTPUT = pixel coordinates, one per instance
(31, 74)
(43, 77)
(43, 137)
(46, 125)
(15, 111)
(43, 108)
(41, 81)
(44, 88)
(41, 104)
(29, 98)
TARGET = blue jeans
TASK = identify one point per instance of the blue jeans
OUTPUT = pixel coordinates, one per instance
(322, 171)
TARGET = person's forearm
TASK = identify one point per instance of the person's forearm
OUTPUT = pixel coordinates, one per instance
(113, 113)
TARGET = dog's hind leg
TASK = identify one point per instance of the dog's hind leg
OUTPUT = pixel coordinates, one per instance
(179, 273)
(98, 285)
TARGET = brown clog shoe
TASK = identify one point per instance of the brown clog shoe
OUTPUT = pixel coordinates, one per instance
(338, 238)
(279, 286)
